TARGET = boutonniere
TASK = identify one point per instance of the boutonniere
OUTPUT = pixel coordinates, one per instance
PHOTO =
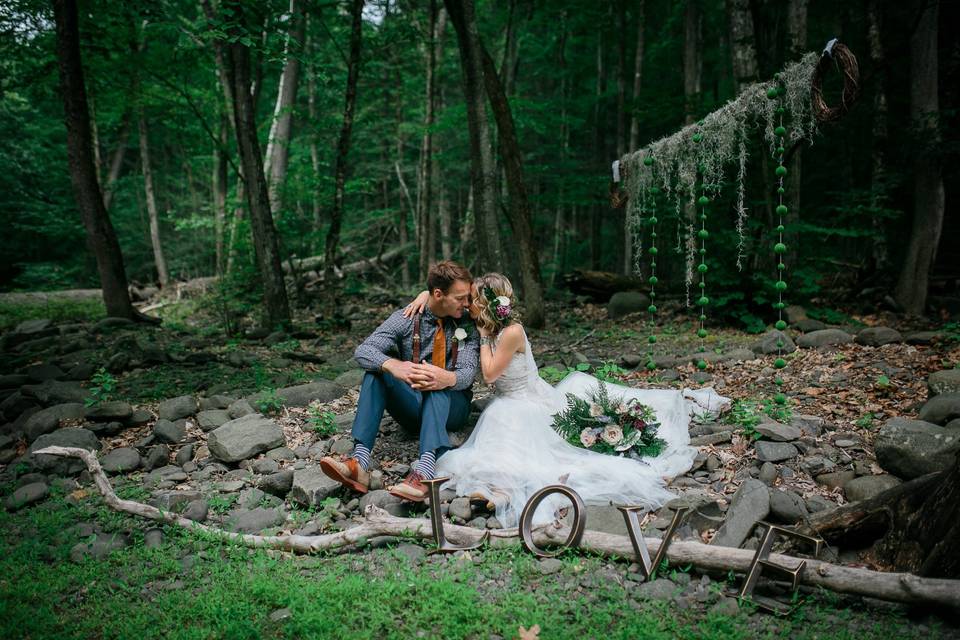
(460, 335)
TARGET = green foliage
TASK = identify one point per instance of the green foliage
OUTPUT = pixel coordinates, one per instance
(323, 423)
(57, 309)
(748, 413)
(102, 387)
(553, 375)
(866, 421)
(610, 372)
(268, 402)
(609, 425)
(222, 503)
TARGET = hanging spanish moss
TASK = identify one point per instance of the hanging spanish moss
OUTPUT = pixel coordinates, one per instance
(722, 142)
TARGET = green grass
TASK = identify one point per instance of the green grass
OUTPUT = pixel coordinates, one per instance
(231, 591)
(57, 310)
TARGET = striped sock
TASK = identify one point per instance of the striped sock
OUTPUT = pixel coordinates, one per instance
(362, 454)
(426, 466)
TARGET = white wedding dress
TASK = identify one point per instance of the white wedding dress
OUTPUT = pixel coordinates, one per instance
(514, 452)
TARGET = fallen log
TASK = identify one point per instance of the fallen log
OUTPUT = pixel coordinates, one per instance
(315, 263)
(897, 587)
(601, 285)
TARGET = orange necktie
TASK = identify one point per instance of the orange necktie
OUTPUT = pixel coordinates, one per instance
(439, 356)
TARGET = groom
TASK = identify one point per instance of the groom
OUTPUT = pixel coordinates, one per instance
(420, 370)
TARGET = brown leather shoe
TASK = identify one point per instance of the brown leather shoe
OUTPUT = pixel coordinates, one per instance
(347, 471)
(412, 488)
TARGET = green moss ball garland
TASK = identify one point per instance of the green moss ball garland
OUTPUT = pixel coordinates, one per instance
(652, 309)
(702, 268)
(779, 249)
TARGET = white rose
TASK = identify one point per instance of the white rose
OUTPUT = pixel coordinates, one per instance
(460, 334)
(587, 438)
(503, 301)
(622, 408)
(612, 435)
(596, 410)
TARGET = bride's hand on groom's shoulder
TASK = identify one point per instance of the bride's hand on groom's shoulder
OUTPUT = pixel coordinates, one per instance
(418, 305)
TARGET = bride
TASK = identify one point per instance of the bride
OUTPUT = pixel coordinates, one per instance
(514, 452)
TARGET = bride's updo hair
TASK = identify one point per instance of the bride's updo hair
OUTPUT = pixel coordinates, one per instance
(500, 286)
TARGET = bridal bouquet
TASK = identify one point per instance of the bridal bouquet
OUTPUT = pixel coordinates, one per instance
(609, 425)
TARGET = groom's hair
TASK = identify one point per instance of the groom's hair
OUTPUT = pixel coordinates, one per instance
(443, 274)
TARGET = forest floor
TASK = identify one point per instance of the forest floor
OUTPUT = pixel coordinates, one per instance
(57, 581)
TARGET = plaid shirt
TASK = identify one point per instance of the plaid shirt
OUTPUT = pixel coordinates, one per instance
(394, 339)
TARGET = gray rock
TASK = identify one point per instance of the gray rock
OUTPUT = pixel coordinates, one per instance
(350, 379)
(606, 519)
(382, 499)
(923, 337)
(877, 336)
(808, 325)
(216, 401)
(711, 439)
(912, 448)
(281, 453)
(13, 380)
(176, 408)
(213, 418)
(105, 429)
(946, 381)
(460, 508)
(787, 507)
(255, 520)
(414, 554)
(659, 589)
(816, 504)
(726, 608)
(823, 338)
(69, 437)
(240, 408)
(775, 451)
(43, 372)
(139, 418)
(47, 420)
(185, 454)
(33, 327)
(549, 566)
(174, 500)
(265, 466)
(108, 325)
(121, 460)
(836, 479)
(157, 456)
(768, 343)
(56, 392)
(866, 487)
(27, 495)
(169, 432)
(941, 408)
(342, 446)
(750, 504)
(153, 538)
(626, 302)
(768, 473)
(773, 430)
(310, 486)
(230, 486)
(303, 394)
(110, 412)
(98, 549)
(244, 438)
(197, 510)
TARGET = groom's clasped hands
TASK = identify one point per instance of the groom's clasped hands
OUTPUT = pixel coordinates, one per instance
(421, 377)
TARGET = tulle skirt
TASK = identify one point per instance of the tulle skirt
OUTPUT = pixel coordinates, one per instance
(514, 452)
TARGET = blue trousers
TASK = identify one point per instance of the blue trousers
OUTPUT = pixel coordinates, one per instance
(429, 412)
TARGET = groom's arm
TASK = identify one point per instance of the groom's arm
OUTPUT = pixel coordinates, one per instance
(468, 359)
(377, 348)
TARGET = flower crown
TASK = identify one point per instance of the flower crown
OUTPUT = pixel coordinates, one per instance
(499, 305)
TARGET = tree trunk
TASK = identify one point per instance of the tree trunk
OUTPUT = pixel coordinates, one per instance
(878, 169)
(151, 200)
(482, 168)
(637, 78)
(265, 241)
(314, 147)
(626, 258)
(796, 47)
(116, 161)
(599, 152)
(425, 223)
(343, 143)
(519, 213)
(101, 237)
(928, 195)
(220, 189)
(692, 59)
(278, 144)
(742, 43)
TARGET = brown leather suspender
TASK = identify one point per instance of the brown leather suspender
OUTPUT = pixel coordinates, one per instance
(417, 340)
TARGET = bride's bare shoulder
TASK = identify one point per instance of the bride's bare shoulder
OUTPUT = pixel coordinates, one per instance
(514, 335)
